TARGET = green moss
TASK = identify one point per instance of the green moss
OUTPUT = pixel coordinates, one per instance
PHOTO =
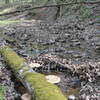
(9, 22)
(12, 58)
(42, 89)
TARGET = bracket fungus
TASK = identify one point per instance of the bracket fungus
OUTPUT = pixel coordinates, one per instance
(53, 79)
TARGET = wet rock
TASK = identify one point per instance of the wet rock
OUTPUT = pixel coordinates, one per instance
(71, 97)
(59, 50)
(77, 43)
(70, 51)
(67, 35)
(75, 40)
(77, 55)
(97, 48)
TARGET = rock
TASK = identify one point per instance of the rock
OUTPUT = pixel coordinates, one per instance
(77, 43)
(26, 96)
(77, 55)
(71, 97)
(75, 40)
(67, 35)
(70, 51)
(53, 79)
(97, 48)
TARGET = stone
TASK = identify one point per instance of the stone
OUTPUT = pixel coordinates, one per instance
(26, 96)
(71, 97)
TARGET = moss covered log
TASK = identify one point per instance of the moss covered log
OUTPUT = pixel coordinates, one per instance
(35, 83)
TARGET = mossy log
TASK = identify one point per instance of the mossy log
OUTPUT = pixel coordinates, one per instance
(35, 83)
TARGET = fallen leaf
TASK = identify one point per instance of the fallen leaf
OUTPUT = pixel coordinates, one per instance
(34, 65)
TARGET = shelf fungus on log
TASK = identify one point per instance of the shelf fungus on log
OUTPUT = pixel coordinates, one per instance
(36, 83)
(53, 79)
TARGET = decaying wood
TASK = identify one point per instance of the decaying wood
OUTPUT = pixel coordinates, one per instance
(36, 83)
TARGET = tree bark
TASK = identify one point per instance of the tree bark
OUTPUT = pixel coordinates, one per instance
(35, 83)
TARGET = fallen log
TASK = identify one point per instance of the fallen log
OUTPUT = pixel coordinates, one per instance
(52, 5)
(35, 83)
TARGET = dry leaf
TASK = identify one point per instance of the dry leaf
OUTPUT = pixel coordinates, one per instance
(34, 65)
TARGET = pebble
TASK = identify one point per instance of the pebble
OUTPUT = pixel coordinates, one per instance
(77, 43)
(77, 56)
(71, 97)
(74, 40)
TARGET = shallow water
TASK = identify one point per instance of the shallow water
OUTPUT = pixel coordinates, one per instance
(66, 41)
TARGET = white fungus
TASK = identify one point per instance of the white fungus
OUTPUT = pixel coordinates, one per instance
(53, 78)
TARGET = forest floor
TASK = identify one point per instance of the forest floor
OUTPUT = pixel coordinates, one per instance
(68, 50)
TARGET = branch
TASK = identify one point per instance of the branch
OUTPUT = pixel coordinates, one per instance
(53, 5)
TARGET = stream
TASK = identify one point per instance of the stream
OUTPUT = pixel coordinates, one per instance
(69, 51)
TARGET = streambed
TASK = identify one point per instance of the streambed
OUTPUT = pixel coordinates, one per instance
(77, 47)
